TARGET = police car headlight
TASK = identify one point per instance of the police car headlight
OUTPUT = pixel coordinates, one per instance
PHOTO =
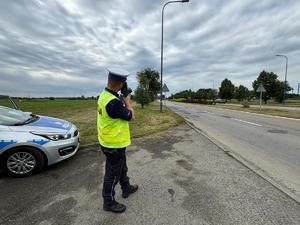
(54, 137)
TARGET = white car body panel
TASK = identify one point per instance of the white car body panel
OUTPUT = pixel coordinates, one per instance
(26, 135)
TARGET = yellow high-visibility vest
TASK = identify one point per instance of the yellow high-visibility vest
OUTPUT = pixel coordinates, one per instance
(112, 133)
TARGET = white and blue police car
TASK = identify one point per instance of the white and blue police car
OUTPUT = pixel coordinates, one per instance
(29, 142)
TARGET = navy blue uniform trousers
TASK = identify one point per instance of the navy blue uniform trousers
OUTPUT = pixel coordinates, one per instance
(115, 172)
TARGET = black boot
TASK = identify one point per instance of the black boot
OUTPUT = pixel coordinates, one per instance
(131, 189)
(114, 207)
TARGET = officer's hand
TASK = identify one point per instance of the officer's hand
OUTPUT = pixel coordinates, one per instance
(127, 99)
(129, 106)
(128, 103)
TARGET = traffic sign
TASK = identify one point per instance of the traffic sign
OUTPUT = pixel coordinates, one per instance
(260, 88)
(165, 88)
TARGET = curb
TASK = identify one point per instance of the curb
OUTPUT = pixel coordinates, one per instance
(246, 163)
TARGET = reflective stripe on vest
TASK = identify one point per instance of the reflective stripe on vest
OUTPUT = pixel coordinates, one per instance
(112, 133)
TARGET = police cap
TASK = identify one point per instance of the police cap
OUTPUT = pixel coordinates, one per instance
(117, 74)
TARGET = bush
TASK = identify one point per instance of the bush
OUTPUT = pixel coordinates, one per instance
(179, 99)
(245, 104)
(189, 100)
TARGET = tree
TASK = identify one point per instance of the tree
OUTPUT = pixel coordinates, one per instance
(212, 94)
(226, 90)
(205, 94)
(141, 96)
(148, 80)
(241, 93)
(184, 94)
(251, 95)
(268, 80)
(190, 94)
(200, 94)
(274, 87)
(279, 91)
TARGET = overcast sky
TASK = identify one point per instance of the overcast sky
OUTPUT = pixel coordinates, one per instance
(62, 48)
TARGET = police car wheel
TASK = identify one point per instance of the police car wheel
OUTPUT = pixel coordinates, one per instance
(22, 162)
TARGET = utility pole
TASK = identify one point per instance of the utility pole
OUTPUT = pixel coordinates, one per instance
(286, 68)
(162, 47)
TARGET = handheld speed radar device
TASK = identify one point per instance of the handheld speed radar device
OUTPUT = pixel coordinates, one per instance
(125, 91)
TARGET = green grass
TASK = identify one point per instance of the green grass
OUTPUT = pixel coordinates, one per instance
(271, 102)
(274, 112)
(83, 114)
(150, 120)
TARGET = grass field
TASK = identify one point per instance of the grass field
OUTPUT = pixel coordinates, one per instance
(271, 102)
(274, 112)
(83, 114)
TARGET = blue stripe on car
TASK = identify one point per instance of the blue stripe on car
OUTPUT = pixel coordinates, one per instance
(5, 143)
(39, 142)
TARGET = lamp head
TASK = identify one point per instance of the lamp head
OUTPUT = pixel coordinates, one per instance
(185, 1)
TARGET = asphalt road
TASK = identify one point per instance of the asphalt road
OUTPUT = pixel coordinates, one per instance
(183, 179)
(270, 144)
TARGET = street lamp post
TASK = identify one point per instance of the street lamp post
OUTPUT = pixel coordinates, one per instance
(162, 45)
(286, 68)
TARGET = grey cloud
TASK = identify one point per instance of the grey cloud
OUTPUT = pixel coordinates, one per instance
(63, 47)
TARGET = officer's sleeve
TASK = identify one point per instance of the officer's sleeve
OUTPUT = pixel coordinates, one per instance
(115, 109)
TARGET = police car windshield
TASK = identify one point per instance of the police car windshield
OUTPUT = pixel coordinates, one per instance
(10, 117)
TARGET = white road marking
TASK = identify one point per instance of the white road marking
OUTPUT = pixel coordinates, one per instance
(243, 121)
(208, 112)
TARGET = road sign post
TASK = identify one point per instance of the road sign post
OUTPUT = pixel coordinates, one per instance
(260, 100)
(260, 89)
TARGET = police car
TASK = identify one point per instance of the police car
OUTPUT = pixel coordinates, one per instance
(28, 142)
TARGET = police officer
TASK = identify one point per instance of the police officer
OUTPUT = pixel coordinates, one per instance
(114, 137)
